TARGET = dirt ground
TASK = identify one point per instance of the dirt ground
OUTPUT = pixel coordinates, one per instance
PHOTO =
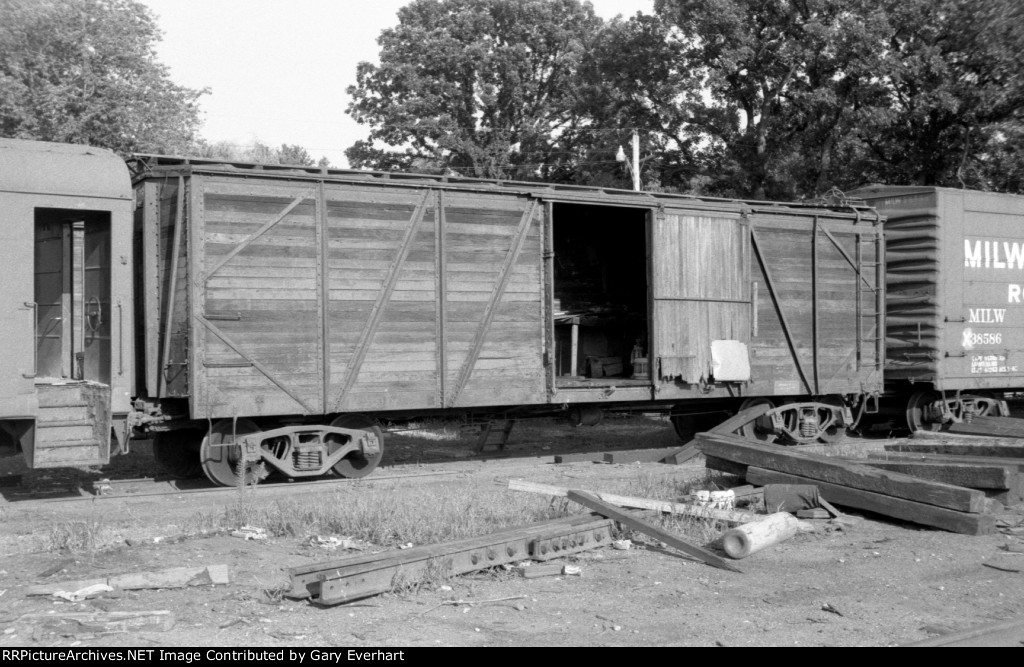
(881, 583)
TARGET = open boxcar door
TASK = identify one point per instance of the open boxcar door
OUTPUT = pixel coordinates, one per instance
(700, 288)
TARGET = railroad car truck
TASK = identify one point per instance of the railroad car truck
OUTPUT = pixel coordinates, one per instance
(275, 314)
(955, 301)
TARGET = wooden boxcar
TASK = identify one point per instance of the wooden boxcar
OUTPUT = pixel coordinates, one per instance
(955, 300)
(295, 306)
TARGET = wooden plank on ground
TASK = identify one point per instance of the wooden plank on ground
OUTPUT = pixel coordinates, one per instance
(581, 457)
(683, 455)
(962, 448)
(644, 455)
(722, 465)
(898, 508)
(960, 474)
(94, 622)
(726, 516)
(924, 457)
(1003, 633)
(594, 503)
(991, 426)
(962, 438)
(177, 577)
(741, 418)
(839, 472)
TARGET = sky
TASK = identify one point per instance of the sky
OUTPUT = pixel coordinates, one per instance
(277, 70)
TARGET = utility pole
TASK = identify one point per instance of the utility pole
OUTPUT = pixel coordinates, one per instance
(634, 166)
(636, 161)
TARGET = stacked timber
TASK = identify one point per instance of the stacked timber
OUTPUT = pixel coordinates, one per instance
(895, 494)
(993, 465)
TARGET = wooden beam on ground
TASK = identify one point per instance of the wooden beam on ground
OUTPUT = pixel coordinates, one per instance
(899, 508)
(683, 455)
(839, 472)
(960, 474)
(962, 448)
(991, 426)
(596, 504)
(91, 623)
(726, 516)
(582, 457)
(1003, 633)
(925, 457)
(722, 465)
(177, 577)
(741, 418)
(646, 455)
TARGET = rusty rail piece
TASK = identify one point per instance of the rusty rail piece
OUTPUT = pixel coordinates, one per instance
(347, 579)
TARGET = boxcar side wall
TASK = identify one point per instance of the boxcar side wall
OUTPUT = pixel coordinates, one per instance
(309, 298)
(304, 295)
(802, 291)
(984, 260)
(819, 294)
(956, 268)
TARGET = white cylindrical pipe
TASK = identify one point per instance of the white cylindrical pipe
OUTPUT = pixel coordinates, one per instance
(749, 538)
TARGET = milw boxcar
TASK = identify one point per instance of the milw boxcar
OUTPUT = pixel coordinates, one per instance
(255, 312)
(955, 300)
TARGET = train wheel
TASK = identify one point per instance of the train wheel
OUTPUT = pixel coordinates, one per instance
(761, 428)
(177, 452)
(221, 459)
(357, 464)
(918, 412)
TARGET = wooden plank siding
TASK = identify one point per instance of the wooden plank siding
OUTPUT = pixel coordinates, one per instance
(317, 298)
(816, 317)
(310, 294)
(701, 289)
(798, 290)
(257, 330)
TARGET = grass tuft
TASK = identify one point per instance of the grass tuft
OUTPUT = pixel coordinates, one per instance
(388, 517)
(77, 536)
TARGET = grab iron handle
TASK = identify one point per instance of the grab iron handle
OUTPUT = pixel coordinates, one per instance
(120, 338)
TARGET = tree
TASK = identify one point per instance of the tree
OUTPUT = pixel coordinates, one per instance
(769, 87)
(795, 96)
(85, 71)
(953, 111)
(487, 88)
(286, 154)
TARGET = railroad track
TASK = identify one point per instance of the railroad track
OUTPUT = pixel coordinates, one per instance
(105, 490)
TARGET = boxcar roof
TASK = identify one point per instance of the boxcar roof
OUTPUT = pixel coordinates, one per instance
(152, 165)
(878, 191)
(40, 167)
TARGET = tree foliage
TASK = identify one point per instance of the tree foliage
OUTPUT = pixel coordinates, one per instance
(776, 99)
(85, 71)
(285, 154)
(483, 87)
